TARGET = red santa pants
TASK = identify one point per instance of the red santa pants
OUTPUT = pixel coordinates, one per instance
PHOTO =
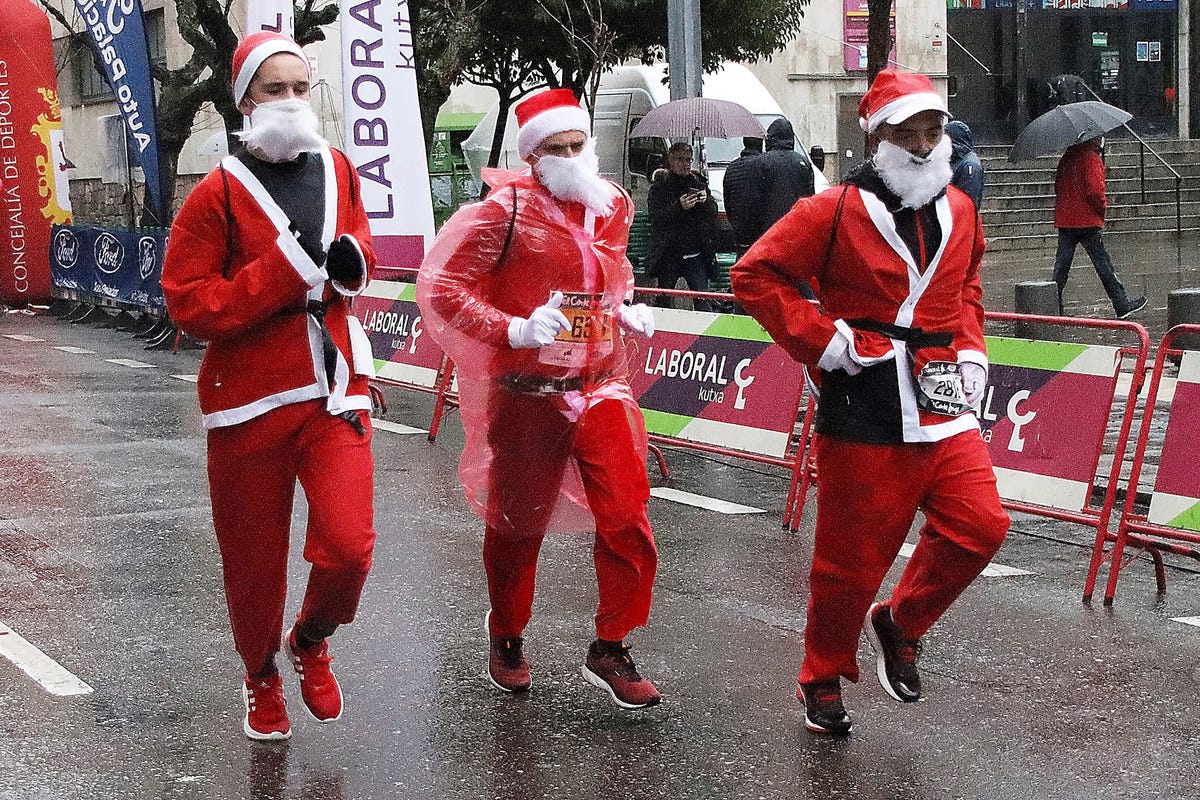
(252, 473)
(867, 499)
(532, 442)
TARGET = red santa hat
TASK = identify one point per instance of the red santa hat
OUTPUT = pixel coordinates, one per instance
(253, 51)
(547, 113)
(895, 96)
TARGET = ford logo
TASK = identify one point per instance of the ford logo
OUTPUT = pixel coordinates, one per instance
(66, 248)
(147, 256)
(109, 253)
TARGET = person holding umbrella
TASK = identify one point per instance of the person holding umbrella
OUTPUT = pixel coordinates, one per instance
(1079, 208)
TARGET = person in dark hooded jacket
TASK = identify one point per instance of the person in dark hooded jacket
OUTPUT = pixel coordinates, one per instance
(968, 169)
(742, 186)
(787, 175)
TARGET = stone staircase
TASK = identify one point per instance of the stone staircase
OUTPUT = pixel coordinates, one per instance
(1018, 205)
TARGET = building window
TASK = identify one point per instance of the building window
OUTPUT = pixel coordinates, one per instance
(93, 86)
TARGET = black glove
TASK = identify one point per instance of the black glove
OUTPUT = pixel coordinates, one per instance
(343, 262)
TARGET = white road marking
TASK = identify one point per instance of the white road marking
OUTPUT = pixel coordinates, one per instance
(79, 351)
(21, 337)
(700, 501)
(395, 427)
(1187, 620)
(990, 571)
(129, 362)
(53, 677)
(188, 378)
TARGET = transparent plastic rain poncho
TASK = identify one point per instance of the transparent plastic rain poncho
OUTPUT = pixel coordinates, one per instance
(469, 289)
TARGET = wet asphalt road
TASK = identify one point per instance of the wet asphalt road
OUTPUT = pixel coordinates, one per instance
(108, 565)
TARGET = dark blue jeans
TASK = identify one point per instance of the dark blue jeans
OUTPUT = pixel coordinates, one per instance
(694, 272)
(1068, 239)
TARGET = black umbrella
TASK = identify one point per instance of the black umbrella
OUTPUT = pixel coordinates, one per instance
(1068, 124)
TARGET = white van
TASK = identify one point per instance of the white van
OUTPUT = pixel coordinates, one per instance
(626, 94)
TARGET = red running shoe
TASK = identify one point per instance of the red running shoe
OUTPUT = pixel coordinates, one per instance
(507, 668)
(266, 710)
(318, 687)
(610, 667)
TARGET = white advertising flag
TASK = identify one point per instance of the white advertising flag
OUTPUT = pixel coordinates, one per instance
(270, 15)
(384, 138)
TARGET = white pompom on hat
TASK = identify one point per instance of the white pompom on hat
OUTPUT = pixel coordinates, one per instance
(547, 113)
(252, 51)
(895, 96)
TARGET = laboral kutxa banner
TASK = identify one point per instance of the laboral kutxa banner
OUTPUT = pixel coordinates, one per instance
(1176, 498)
(716, 379)
(118, 32)
(1044, 415)
(33, 168)
(384, 137)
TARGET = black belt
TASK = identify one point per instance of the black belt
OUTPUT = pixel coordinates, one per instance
(536, 384)
(914, 337)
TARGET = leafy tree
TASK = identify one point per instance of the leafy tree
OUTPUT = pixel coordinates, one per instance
(204, 78)
(879, 36)
(525, 44)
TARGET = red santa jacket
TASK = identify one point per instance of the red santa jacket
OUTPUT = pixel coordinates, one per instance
(863, 272)
(1079, 183)
(477, 277)
(236, 277)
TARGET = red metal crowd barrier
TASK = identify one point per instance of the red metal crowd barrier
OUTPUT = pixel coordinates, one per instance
(1087, 441)
(794, 452)
(1176, 460)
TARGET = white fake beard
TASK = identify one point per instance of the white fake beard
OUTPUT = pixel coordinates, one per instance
(577, 179)
(915, 180)
(283, 129)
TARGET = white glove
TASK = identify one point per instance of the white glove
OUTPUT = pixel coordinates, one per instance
(542, 326)
(974, 379)
(837, 355)
(637, 318)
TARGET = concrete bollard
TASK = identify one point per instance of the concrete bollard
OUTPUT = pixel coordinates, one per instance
(1036, 297)
(1183, 308)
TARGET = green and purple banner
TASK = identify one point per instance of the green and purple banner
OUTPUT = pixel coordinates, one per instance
(716, 379)
(1176, 498)
(1044, 417)
(390, 316)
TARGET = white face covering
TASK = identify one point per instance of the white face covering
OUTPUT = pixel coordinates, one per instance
(283, 129)
(576, 179)
(914, 179)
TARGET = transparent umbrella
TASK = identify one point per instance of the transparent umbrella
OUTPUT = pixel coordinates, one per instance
(699, 116)
(1068, 124)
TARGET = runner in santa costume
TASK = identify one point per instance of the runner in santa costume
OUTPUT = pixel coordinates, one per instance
(262, 262)
(897, 340)
(525, 291)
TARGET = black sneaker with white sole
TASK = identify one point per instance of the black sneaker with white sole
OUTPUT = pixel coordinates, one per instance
(1130, 307)
(895, 656)
(823, 709)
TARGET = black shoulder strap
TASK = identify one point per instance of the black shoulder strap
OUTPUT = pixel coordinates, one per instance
(228, 223)
(512, 225)
(837, 218)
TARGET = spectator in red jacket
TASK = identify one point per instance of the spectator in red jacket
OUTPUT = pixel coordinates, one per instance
(1079, 209)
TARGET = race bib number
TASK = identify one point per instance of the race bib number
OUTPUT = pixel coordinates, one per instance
(590, 335)
(940, 389)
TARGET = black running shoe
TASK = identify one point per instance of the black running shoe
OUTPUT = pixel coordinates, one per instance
(823, 709)
(895, 656)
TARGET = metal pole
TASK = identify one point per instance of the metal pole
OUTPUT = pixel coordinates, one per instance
(683, 48)
(1022, 116)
